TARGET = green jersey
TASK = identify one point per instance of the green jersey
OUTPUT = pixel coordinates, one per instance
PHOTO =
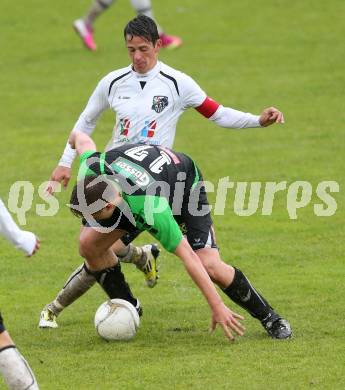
(156, 184)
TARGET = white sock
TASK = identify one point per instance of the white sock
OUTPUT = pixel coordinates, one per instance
(16, 371)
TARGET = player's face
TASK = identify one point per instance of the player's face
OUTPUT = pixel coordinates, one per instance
(104, 213)
(143, 53)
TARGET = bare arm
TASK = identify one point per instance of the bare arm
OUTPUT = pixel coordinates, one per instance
(220, 313)
(81, 142)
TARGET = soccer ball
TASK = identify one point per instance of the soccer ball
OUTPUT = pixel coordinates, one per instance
(117, 319)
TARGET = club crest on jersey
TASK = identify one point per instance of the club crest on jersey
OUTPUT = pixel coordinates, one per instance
(159, 103)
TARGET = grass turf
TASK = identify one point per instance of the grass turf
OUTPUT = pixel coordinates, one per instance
(247, 55)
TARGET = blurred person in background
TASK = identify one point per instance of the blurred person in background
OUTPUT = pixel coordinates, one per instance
(84, 25)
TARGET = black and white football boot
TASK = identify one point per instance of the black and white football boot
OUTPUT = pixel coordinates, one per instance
(276, 326)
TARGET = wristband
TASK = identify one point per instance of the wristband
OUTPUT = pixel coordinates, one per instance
(68, 156)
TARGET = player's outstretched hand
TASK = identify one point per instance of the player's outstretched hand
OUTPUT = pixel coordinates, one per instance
(271, 115)
(36, 248)
(228, 320)
(60, 175)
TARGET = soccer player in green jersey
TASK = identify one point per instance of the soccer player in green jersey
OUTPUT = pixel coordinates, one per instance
(134, 188)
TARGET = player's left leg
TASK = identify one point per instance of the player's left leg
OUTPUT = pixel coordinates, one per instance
(144, 7)
(13, 367)
(238, 288)
(201, 237)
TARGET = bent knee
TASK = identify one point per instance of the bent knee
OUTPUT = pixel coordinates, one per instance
(212, 267)
(87, 250)
(217, 270)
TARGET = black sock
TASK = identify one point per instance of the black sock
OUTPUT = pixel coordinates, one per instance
(114, 284)
(245, 295)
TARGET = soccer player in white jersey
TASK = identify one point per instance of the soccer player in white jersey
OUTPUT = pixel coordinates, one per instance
(84, 26)
(13, 367)
(148, 98)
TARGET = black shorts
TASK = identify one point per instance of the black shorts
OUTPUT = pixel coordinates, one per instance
(195, 220)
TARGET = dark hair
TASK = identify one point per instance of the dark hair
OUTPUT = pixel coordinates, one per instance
(142, 26)
(88, 191)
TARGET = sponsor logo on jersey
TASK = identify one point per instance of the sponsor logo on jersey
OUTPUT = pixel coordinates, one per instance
(132, 171)
(124, 126)
(149, 128)
(124, 139)
(159, 103)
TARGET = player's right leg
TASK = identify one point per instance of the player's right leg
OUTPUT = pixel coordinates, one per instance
(239, 289)
(76, 285)
(13, 367)
(84, 26)
(103, 264)
(232, 281)
(81, 280)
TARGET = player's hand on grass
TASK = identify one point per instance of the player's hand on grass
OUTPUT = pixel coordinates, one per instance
(60, 175)
(228, 320)
(271, 115)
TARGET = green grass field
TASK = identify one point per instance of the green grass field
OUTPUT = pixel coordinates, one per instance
(247, 55)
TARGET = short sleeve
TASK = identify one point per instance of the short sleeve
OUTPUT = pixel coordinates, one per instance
(154, 215)
(167, 231)
(84, 168)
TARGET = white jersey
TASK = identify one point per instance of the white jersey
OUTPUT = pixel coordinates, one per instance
(147, 106)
